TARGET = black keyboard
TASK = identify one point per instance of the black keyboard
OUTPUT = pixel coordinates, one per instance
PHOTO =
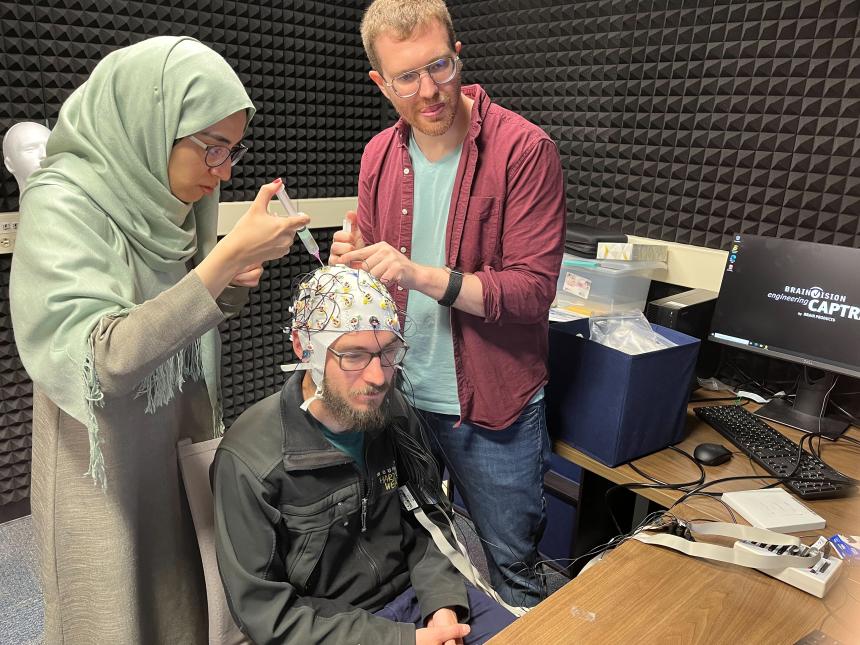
(774, 452)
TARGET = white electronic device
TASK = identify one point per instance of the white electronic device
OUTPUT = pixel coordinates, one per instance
(816, 580)
(774, 509)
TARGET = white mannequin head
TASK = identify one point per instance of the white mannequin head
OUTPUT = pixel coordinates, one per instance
(24, 149)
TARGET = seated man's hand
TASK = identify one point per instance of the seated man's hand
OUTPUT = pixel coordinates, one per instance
(344, 242)
(438, 626)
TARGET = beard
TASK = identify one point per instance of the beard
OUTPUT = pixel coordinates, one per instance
(350, 417)
(451, 99)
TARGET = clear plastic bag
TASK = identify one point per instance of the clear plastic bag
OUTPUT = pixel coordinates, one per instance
(628, 332)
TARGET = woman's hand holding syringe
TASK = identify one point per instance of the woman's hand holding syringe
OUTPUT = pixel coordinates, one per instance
(256, 238)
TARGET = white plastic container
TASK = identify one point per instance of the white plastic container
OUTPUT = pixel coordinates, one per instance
(589, 287)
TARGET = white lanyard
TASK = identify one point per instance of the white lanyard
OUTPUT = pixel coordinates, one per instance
(457, 556)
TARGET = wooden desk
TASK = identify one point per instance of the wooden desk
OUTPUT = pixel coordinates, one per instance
(842, 515)
(645, 594)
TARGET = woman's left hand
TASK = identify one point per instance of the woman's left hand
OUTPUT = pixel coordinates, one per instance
(248, 277)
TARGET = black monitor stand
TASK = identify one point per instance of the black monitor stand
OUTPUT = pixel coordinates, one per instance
(807, 411)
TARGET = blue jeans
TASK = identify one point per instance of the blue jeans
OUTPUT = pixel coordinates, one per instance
(486, 616)
(499, 474)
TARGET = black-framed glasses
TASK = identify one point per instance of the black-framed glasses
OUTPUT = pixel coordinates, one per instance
(217, 155)
(441, 71)
(357, 359)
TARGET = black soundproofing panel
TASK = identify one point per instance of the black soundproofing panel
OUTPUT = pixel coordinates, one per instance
(303, 65)
(681, 120)
(686, 120)
(16, 406)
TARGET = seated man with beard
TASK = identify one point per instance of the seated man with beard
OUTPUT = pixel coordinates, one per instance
(313, 543)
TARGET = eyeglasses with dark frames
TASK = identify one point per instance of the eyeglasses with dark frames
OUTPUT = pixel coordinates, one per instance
(357, 359)
(217, 154)
(441, 71)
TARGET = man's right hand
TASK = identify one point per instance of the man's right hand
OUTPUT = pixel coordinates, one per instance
(345, 242)
(440, 635)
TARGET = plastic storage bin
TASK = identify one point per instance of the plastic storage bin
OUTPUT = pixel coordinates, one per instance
(591, 287)
(613, 406)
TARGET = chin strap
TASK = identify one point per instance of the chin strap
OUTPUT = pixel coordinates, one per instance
(678, 535)
(297, 367)
(318, 396)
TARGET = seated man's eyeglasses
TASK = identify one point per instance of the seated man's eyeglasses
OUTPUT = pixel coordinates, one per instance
(441, 71)
(355, 360)
(217, 155)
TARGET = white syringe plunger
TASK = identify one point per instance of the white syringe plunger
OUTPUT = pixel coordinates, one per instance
(286, 202)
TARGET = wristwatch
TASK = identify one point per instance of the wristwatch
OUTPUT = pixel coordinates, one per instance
(455, 282)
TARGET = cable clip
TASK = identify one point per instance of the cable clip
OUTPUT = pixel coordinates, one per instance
(676, 526)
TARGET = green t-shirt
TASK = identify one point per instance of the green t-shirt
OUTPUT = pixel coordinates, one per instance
(349, 443)
(429, 364)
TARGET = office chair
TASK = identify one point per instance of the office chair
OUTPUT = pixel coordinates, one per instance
(194, 462)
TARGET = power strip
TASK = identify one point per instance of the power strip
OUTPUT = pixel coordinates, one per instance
(8, 229)
(815, 580)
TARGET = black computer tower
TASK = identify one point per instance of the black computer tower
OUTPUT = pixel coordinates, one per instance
(689, 312)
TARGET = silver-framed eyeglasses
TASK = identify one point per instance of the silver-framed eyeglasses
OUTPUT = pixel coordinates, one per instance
(217, 154)
(441, 71)
(357, 359)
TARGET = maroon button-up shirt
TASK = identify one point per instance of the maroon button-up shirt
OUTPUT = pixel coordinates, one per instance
(505, 225)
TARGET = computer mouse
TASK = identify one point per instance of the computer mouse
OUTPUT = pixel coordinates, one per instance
(711, 454)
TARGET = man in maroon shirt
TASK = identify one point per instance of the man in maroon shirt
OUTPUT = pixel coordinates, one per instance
(490, 184)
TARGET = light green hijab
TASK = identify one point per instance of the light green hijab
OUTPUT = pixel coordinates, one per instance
(101, 232)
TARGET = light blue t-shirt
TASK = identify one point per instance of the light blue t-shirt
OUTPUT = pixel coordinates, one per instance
(429, 364)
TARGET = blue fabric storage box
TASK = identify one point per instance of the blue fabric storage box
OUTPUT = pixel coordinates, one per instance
(613, 406)
(558, 538)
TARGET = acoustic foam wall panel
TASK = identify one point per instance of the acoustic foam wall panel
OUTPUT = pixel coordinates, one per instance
(16, 401)
(303, 66)
(686, 120)
(302, 63)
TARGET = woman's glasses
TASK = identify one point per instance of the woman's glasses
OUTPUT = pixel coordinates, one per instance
(217, 155)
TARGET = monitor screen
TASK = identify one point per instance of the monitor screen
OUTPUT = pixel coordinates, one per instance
(793, 300)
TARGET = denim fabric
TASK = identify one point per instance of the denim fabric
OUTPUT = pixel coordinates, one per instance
(486, 617)
(499, 474)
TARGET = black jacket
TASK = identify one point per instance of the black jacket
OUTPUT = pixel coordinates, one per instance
(308, 546)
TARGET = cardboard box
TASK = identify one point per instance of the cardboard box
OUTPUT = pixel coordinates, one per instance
(632, 252)
(613, 406)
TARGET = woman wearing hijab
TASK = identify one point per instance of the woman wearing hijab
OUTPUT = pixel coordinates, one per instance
(115, 285)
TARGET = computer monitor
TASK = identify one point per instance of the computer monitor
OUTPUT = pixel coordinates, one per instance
(797, 301)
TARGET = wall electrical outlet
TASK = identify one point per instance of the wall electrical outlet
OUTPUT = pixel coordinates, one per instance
(8, 229)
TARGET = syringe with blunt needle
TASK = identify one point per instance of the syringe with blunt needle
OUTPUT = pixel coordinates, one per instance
(303, 233)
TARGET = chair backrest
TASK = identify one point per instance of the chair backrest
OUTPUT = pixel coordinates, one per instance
(194, 462)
